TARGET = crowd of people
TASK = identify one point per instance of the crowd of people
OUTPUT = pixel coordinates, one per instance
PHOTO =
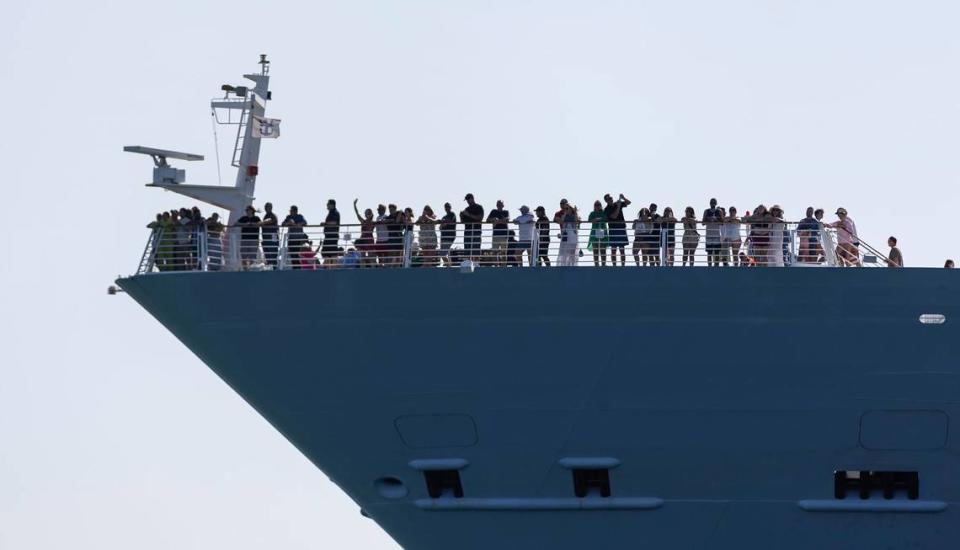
(757, 238)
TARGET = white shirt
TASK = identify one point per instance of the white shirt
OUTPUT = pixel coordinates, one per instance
(382, 234)
(525, 224)
(639, 227)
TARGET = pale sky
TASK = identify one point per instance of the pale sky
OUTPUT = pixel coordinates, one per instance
(113, 435)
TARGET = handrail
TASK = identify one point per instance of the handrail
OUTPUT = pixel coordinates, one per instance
(197, 247)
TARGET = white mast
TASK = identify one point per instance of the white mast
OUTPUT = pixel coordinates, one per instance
(248, 102)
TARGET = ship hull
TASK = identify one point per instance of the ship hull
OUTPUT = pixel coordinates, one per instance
(722, 400)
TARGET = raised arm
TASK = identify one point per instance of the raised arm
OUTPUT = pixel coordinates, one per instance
(357, 211)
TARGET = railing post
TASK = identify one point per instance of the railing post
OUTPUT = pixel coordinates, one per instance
(149, 258)
(663, 247)
(202, 247)
(407, 248)
(535, 246)
(282, 254)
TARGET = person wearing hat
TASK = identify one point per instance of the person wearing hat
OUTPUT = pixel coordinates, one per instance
(525, 223)
(471, 217)
(847, 240)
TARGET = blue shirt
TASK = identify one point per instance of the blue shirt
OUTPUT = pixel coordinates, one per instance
(811, 225)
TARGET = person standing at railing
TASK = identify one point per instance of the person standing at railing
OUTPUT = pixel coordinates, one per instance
(691, 237)
(948, 264)
(543, 234)
(775, 251)
(499, 216)
(214, 231)
(895, 257)
(365, 245)
(395, 222)
(847, 240)
(269, 228)
(712, 219)
(295, 222)
(558, 215)
(525, 224)
(569, 236)
(471, 217)
(428, 236)
(448, 233)
(598, 235)
(617, 225)
(808, 233)
(731, 236)
(758, 236)
(184, 238)
(641, 230)
(668, 228)
(653, 237)
(330, 248)
(723, 256)
(156, 230)
(249, 236)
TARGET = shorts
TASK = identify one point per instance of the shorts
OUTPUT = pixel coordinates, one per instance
(248, 250)
(499, 242)
(618, 237)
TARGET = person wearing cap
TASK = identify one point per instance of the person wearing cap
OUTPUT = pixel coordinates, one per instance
(894, 258)
(543, 234)
(249, 236)
(847, 240)
(525, 225)
(471, 217)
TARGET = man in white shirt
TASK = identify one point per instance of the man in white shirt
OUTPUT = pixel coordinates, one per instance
(525, 223)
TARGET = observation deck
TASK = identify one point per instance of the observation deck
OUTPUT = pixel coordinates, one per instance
(200, 247)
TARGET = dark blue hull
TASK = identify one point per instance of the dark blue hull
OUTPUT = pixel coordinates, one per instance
(721, 401)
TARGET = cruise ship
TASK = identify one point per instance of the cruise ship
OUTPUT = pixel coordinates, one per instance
(577, 407)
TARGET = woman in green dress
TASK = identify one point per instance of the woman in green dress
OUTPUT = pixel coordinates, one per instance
(599, 234)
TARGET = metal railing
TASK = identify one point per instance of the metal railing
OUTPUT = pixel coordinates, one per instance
(398, 245)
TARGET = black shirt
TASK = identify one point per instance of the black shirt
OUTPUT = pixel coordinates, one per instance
(448, 226)
(270, 225)
(543, 226)
(615, 219)
(250, 229)
(331, 225)
(497, 214)
(476, 211)
(395, 226)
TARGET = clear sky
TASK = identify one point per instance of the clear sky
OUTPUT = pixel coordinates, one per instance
(112, 435)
